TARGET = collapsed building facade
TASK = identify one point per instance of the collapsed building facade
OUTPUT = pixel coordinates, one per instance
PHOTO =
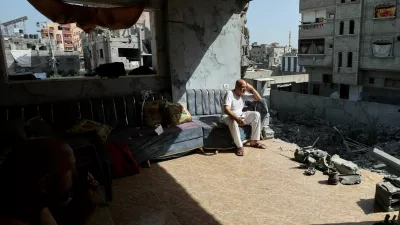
(130, 46)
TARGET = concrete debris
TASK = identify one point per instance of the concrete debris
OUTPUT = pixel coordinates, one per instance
(332, 166)
(387, 197)
(350, 179)
(303, 130)
(344, 166)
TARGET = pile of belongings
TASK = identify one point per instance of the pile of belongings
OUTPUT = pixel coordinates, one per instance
(338, 169)
(387, 194)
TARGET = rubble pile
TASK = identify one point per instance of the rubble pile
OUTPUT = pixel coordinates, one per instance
(304, 130)
(338, 169)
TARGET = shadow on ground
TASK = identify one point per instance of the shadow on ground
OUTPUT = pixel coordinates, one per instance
(156, 197)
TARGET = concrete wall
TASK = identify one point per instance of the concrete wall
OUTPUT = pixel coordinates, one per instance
(68, 62)
(204, 44)
(335, 110)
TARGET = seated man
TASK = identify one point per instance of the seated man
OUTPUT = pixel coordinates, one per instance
(33, 179)
(233, 114)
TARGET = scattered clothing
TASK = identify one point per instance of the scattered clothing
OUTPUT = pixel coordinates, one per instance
(22, 57)
(111, 70)
(142, 70)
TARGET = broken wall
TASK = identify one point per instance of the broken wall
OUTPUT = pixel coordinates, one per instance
(338, 111)
(204, 44)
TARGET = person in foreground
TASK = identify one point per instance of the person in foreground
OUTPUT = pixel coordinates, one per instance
(36, 177)
(233, 114)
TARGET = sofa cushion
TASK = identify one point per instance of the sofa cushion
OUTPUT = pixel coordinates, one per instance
(177, 113)
(153, 112)
(84, 126)
(146, 145)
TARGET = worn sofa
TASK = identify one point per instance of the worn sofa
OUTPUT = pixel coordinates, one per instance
(123, 114)
(206, 105)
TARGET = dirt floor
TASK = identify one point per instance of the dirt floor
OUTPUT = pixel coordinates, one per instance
(263, 187)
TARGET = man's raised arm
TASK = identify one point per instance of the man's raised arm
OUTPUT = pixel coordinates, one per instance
(257, 96)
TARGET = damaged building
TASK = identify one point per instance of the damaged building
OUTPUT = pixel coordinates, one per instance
(132, 46)
(351, 48)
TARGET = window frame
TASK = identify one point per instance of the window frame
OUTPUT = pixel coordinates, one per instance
(350, 56)
(352, 25)
(155, 57)
(341, 28)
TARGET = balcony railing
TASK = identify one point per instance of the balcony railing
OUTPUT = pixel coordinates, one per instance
(67, 38)
(68, 45)
(67, 32)
(311, 26)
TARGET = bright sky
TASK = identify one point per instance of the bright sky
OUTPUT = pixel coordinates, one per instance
(271, 20)
(268, 20)
(18, 8)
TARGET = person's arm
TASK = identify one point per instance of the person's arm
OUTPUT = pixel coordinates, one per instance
(233, 116)
(46, 218)
(255, 93)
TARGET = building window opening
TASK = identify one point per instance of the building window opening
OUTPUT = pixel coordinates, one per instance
(350, 59)
(386, 10)
(344, 91)
(371, 80)
(314, 46)
(343, 1)
(351, 27)
(316, 88)
(327, 78)
(392, 83)
(340, 57)
(101, 53)
(52, 40)
(341, 28)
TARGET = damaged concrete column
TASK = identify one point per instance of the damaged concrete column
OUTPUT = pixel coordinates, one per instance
(204, 40)
(244, 50)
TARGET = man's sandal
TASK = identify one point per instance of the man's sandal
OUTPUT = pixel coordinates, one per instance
(240, 151)
(259, 145)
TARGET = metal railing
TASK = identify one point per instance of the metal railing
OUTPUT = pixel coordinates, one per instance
(311, 26)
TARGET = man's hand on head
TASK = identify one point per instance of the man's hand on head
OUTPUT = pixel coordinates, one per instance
(250, 87)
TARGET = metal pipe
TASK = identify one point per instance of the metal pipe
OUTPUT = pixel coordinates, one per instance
(390, 161)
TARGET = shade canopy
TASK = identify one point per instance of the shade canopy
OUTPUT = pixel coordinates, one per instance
(87, 18)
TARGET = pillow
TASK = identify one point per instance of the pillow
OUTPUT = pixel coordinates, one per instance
(177, 114)
(38, 127)
(84, 126)
(153, 113)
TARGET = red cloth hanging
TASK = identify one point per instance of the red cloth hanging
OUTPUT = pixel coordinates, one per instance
(87, 18)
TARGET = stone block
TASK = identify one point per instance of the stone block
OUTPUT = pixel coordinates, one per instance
(344, 166)
(387, 197)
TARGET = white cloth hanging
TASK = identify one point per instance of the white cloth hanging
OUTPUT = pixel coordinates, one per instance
(381, 50)
(22, 57)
